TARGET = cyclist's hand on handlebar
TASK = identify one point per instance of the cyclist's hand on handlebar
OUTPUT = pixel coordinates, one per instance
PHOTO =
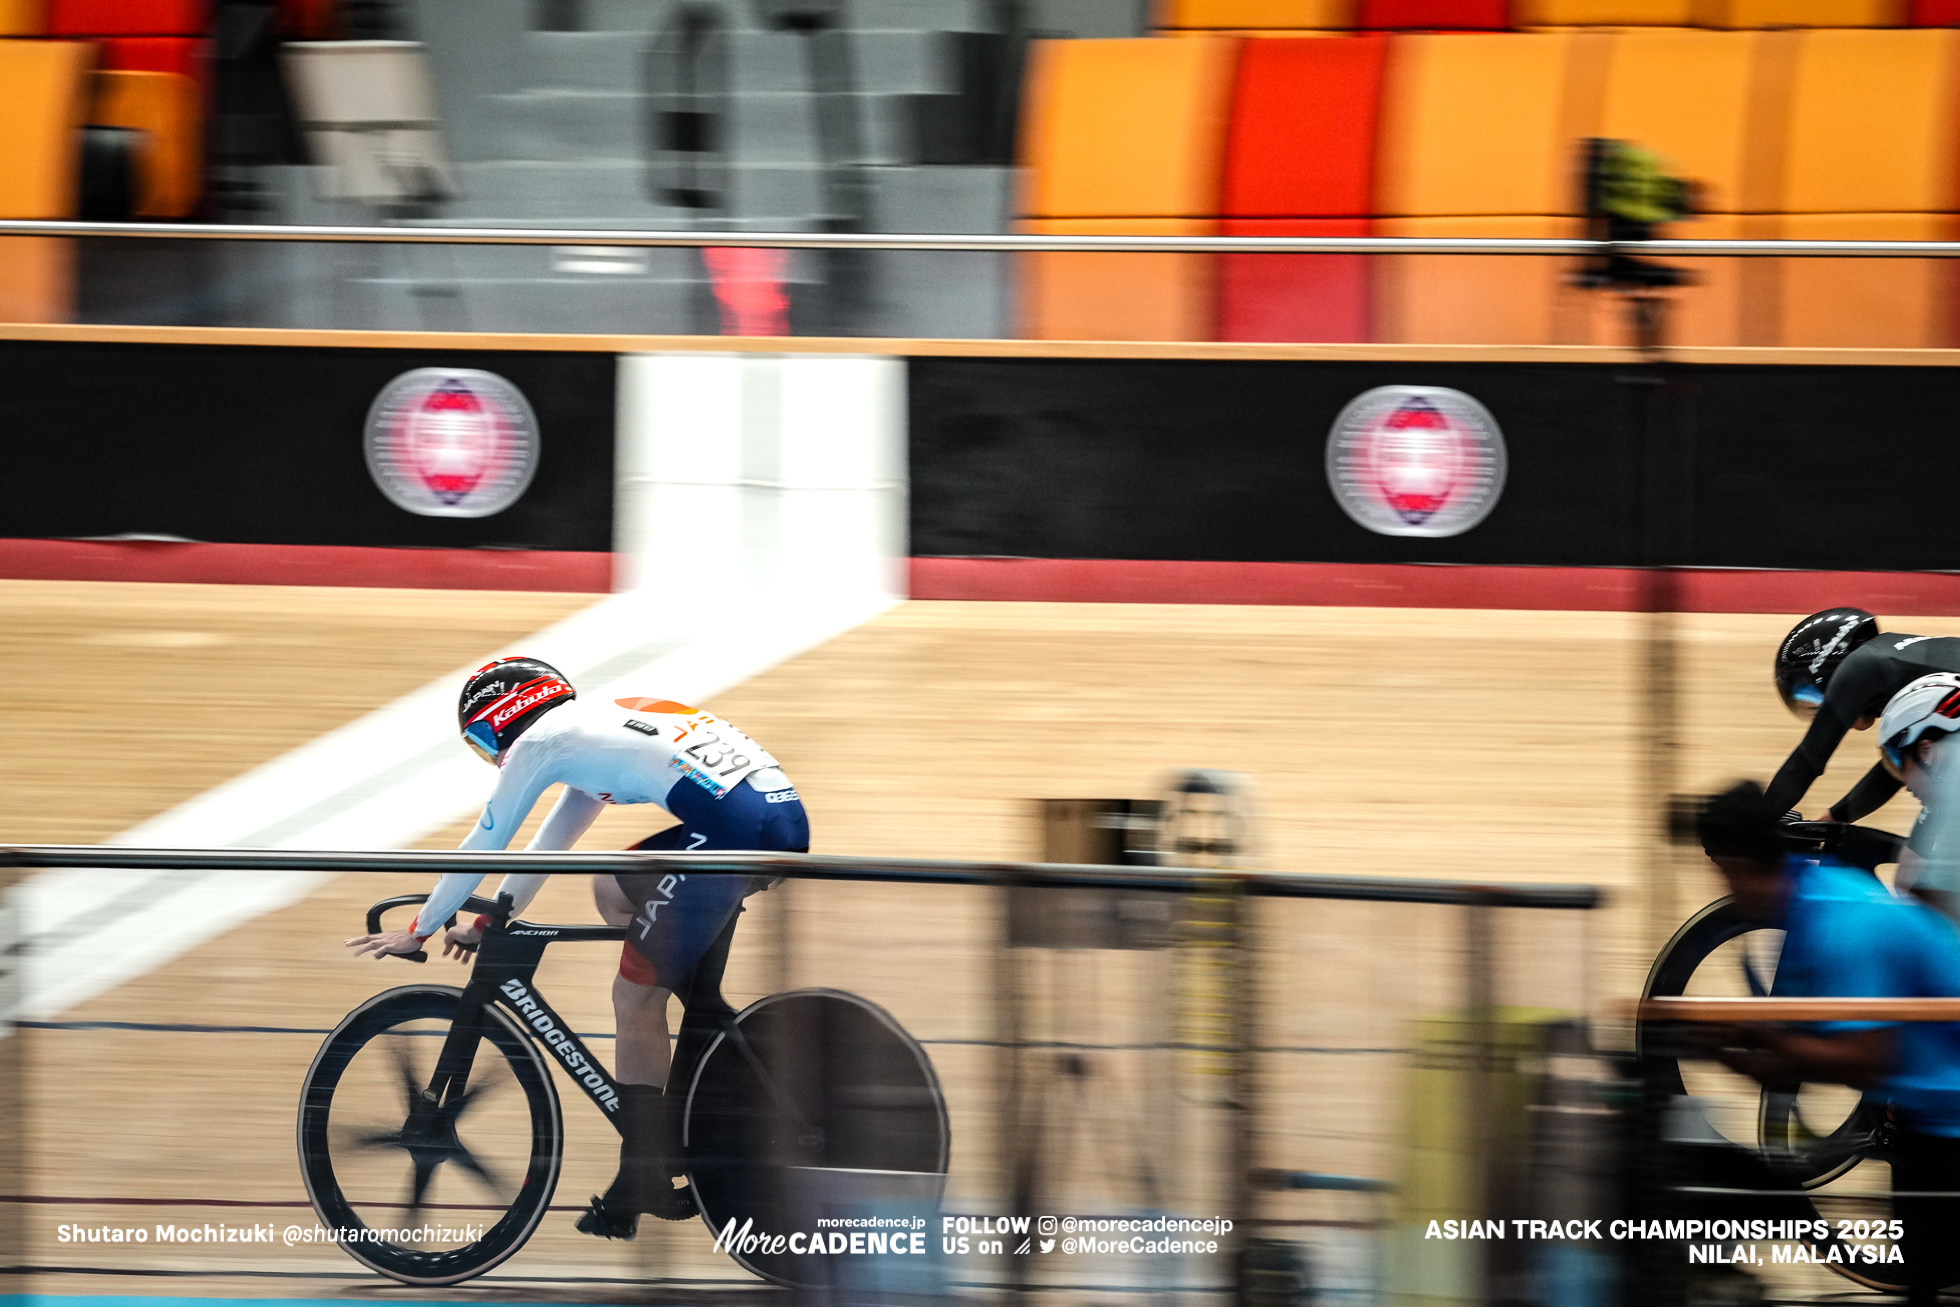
(460, 942)
(386, 943)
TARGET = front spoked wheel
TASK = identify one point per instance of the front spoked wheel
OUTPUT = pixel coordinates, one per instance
(426, 1192)
(1811, 1137)
(815, 1110)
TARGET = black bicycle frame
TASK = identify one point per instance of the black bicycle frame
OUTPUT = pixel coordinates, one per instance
(504, 972)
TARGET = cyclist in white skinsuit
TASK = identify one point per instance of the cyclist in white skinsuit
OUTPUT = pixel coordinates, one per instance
(728, 793)
(1916, 745)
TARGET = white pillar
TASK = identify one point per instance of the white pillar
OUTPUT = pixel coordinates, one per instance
(760, 473)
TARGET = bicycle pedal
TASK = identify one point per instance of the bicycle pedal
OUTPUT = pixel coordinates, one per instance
(608, 1222)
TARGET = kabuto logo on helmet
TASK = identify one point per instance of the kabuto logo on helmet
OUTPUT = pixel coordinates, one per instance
(451, 442)
(503, 699)
(528, 698)
(1416, 461)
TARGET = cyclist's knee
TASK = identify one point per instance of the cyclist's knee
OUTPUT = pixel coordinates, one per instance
(635, 970)
(633, 1000)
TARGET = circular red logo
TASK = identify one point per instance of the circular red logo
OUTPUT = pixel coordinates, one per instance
(452, 442)
(1416, 461)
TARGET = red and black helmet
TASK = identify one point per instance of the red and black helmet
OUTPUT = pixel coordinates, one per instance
(501, 700)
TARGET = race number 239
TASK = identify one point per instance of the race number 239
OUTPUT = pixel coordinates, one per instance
(716, 755)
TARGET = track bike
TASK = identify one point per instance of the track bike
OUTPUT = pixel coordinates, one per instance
(804, 1105)
(1815, 1135)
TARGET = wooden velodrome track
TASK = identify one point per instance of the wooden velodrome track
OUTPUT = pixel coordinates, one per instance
(1475, 744)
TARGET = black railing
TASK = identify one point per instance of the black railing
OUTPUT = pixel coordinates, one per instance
(805, 866)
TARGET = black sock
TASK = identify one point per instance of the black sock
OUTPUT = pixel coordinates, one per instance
(642, 1147)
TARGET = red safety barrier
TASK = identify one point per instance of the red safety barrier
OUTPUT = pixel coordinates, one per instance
(332, 565)
(1407, 585)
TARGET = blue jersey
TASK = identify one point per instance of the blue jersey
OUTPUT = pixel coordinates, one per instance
(1847, 936)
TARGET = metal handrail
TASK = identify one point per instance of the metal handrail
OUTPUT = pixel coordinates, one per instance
(995, 242)
(804, 866)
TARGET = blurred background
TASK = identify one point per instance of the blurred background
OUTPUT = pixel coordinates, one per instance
(1396, 567)
(1794, 119)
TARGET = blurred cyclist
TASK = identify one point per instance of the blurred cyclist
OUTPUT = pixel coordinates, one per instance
(1847, 936)
(1913, 746)
(728, 793)
(1837, 670)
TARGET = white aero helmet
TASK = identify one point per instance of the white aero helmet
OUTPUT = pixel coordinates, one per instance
(1930, 704)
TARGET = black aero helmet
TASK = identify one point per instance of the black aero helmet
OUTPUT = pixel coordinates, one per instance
(502, 699)
(1810, 654)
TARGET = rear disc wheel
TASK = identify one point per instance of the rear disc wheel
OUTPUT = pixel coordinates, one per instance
(817, 1101)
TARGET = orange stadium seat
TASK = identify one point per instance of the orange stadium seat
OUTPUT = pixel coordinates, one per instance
(1872, 125)
(1255, 15)
(165, 108)
(1873, 153)
(1436, 15)
(1123, 137)
(43, 101)
(1605, 13)
(1687, 96)
(37, 279)
(129, 17)
(1802, 13)
(1299, 161)
(1482, 299)
(23, 18)
(1067, 296)
(1867, 303)
(1475, 125)
(42, 106)
(1478, 137)
(1125, 128)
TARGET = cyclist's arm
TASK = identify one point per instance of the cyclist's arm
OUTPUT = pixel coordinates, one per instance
(1867, 676)
(1807, 762)
(570, 818)
(1871, 793)
(518, 788)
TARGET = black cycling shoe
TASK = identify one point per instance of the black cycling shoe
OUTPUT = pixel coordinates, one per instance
(609, 1221)
(609, 1218)
(644, 1181)
(670, 1204)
